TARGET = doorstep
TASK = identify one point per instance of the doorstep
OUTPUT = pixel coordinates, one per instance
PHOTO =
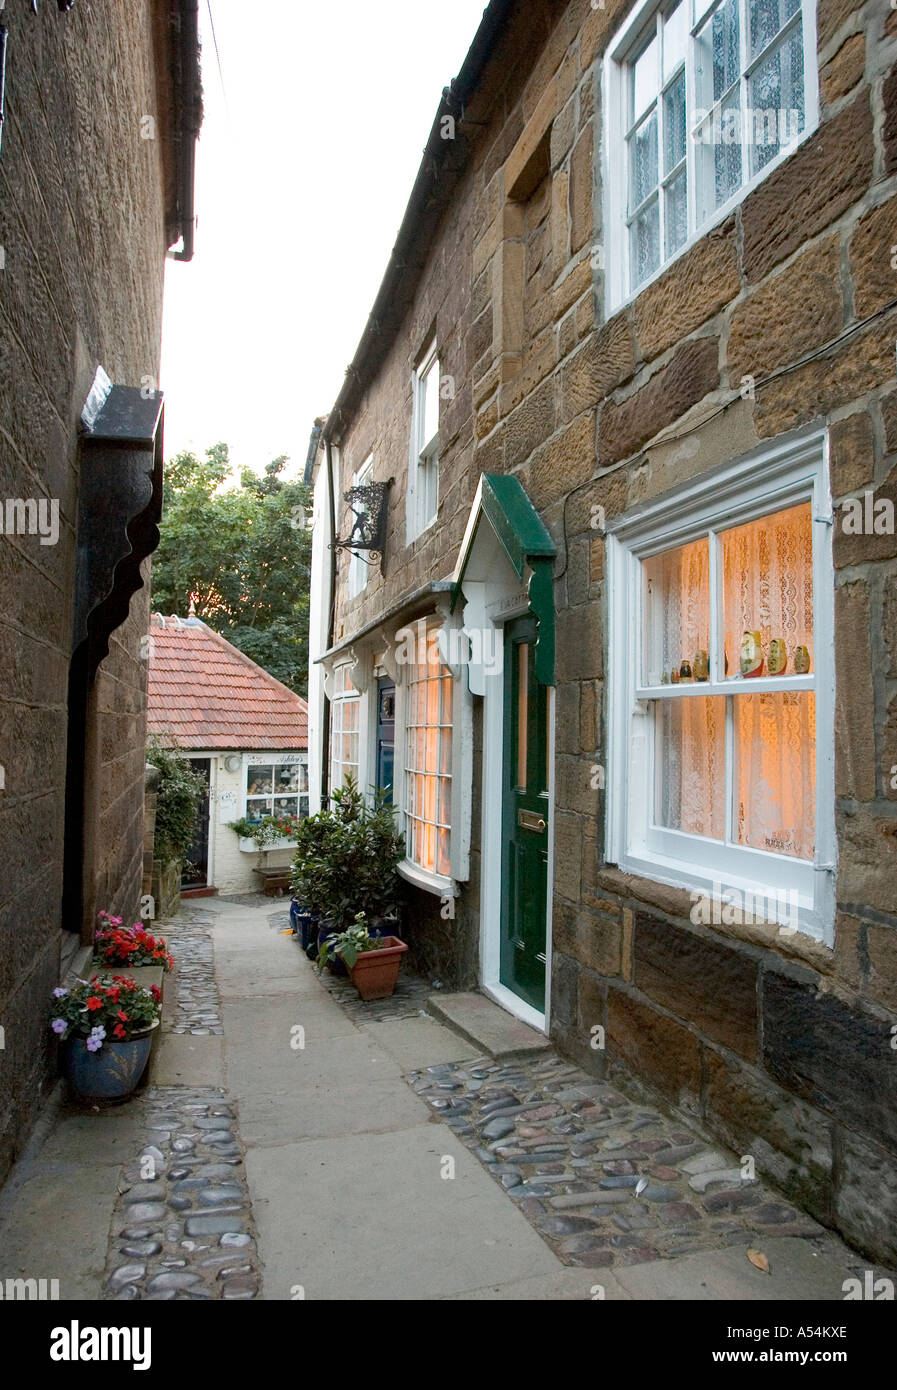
(208, 892)
(487, 1025)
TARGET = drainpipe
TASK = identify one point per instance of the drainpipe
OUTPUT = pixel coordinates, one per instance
(189, 97)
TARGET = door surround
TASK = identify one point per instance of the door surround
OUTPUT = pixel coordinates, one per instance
(503, 568)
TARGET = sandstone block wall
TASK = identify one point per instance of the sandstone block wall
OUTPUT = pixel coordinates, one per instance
(81, 228)
(780, 1048)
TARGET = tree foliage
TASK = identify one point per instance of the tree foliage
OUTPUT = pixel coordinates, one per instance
(242, 552)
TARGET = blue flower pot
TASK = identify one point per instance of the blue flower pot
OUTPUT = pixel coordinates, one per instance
(303, 923)
(112, 1073)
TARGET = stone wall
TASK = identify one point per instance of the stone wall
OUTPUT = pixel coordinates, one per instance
(780, 1047)
(81, 228)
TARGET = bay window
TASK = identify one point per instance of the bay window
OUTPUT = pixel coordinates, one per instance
(704, 97)
(721, 667)
(427, 802)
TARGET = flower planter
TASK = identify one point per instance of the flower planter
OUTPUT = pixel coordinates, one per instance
(112, 1073)
(375, 973)
(305, 924)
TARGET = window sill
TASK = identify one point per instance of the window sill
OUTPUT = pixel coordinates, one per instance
(436, 884)
(688, 891)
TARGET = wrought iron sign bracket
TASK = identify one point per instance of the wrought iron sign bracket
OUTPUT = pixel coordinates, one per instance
(370, 506)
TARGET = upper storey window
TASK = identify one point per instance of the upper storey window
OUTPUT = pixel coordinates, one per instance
(703, 100)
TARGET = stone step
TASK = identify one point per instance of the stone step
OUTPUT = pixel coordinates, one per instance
(487, 1026)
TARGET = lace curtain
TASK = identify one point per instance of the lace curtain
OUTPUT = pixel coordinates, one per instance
(767, 584)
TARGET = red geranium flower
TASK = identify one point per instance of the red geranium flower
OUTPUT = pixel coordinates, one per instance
(118, 1031)
(94, 1003)
(122, 1015)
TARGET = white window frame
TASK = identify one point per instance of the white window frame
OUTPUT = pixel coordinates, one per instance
(358, 565)
(337, 700)
(769, 479)
(445, 886)
(615, 170)
(424, 453)
(260, 757)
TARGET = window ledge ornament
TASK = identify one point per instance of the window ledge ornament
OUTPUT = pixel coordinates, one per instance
(361, 666)
(370, 505)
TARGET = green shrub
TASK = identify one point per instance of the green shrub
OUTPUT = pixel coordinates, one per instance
(177, 802)
(346, 858)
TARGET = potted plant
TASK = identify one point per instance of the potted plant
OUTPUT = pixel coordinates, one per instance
(114, 944)
(345, 863)
(106, 1024)
(372, 961)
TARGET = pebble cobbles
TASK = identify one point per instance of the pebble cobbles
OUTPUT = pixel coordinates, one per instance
(197, 1009)
(182, 1227)
(605, 1180)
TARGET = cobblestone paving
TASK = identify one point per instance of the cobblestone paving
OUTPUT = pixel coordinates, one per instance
(604, 1179)
(182, 1227)
(198, 1008)
(408, 1000)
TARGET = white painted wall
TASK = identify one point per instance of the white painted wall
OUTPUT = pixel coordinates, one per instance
(319, 610)
(230, 868)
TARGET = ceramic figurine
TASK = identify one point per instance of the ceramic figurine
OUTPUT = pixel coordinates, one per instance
(801, 660)
(701, 666)
(674, 676)
(778, 656)
(685, 674)
(751, 654)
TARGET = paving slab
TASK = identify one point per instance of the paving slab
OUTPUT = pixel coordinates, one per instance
(418, 1042)
(322, 1111)
(59, 1227)
(370, 1216)
(183, 1060)
(797, 1270)
(487, 1026)
(340, 1081)
(591, 1285)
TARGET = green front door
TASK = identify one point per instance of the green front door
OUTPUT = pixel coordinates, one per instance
(524, 818)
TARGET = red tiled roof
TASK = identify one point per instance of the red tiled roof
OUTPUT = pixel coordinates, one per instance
(206, 694)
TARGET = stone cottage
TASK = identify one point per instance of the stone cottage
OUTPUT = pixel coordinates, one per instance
(246, 736)
(101, 108)
(617, 627)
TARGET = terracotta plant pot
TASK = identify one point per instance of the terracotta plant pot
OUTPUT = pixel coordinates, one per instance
(374, 974)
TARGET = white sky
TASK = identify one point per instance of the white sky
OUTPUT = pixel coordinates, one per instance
(302, 179)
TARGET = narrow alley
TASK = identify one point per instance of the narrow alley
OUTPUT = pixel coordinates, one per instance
(292, 1147)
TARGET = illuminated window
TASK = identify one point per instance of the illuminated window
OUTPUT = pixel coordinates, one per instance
(722, 729)
(344, 707)
(428, 764)
(276, 785)
(423, 471)
(704, 98)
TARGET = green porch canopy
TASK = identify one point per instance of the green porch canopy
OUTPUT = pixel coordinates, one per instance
(526, 542)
